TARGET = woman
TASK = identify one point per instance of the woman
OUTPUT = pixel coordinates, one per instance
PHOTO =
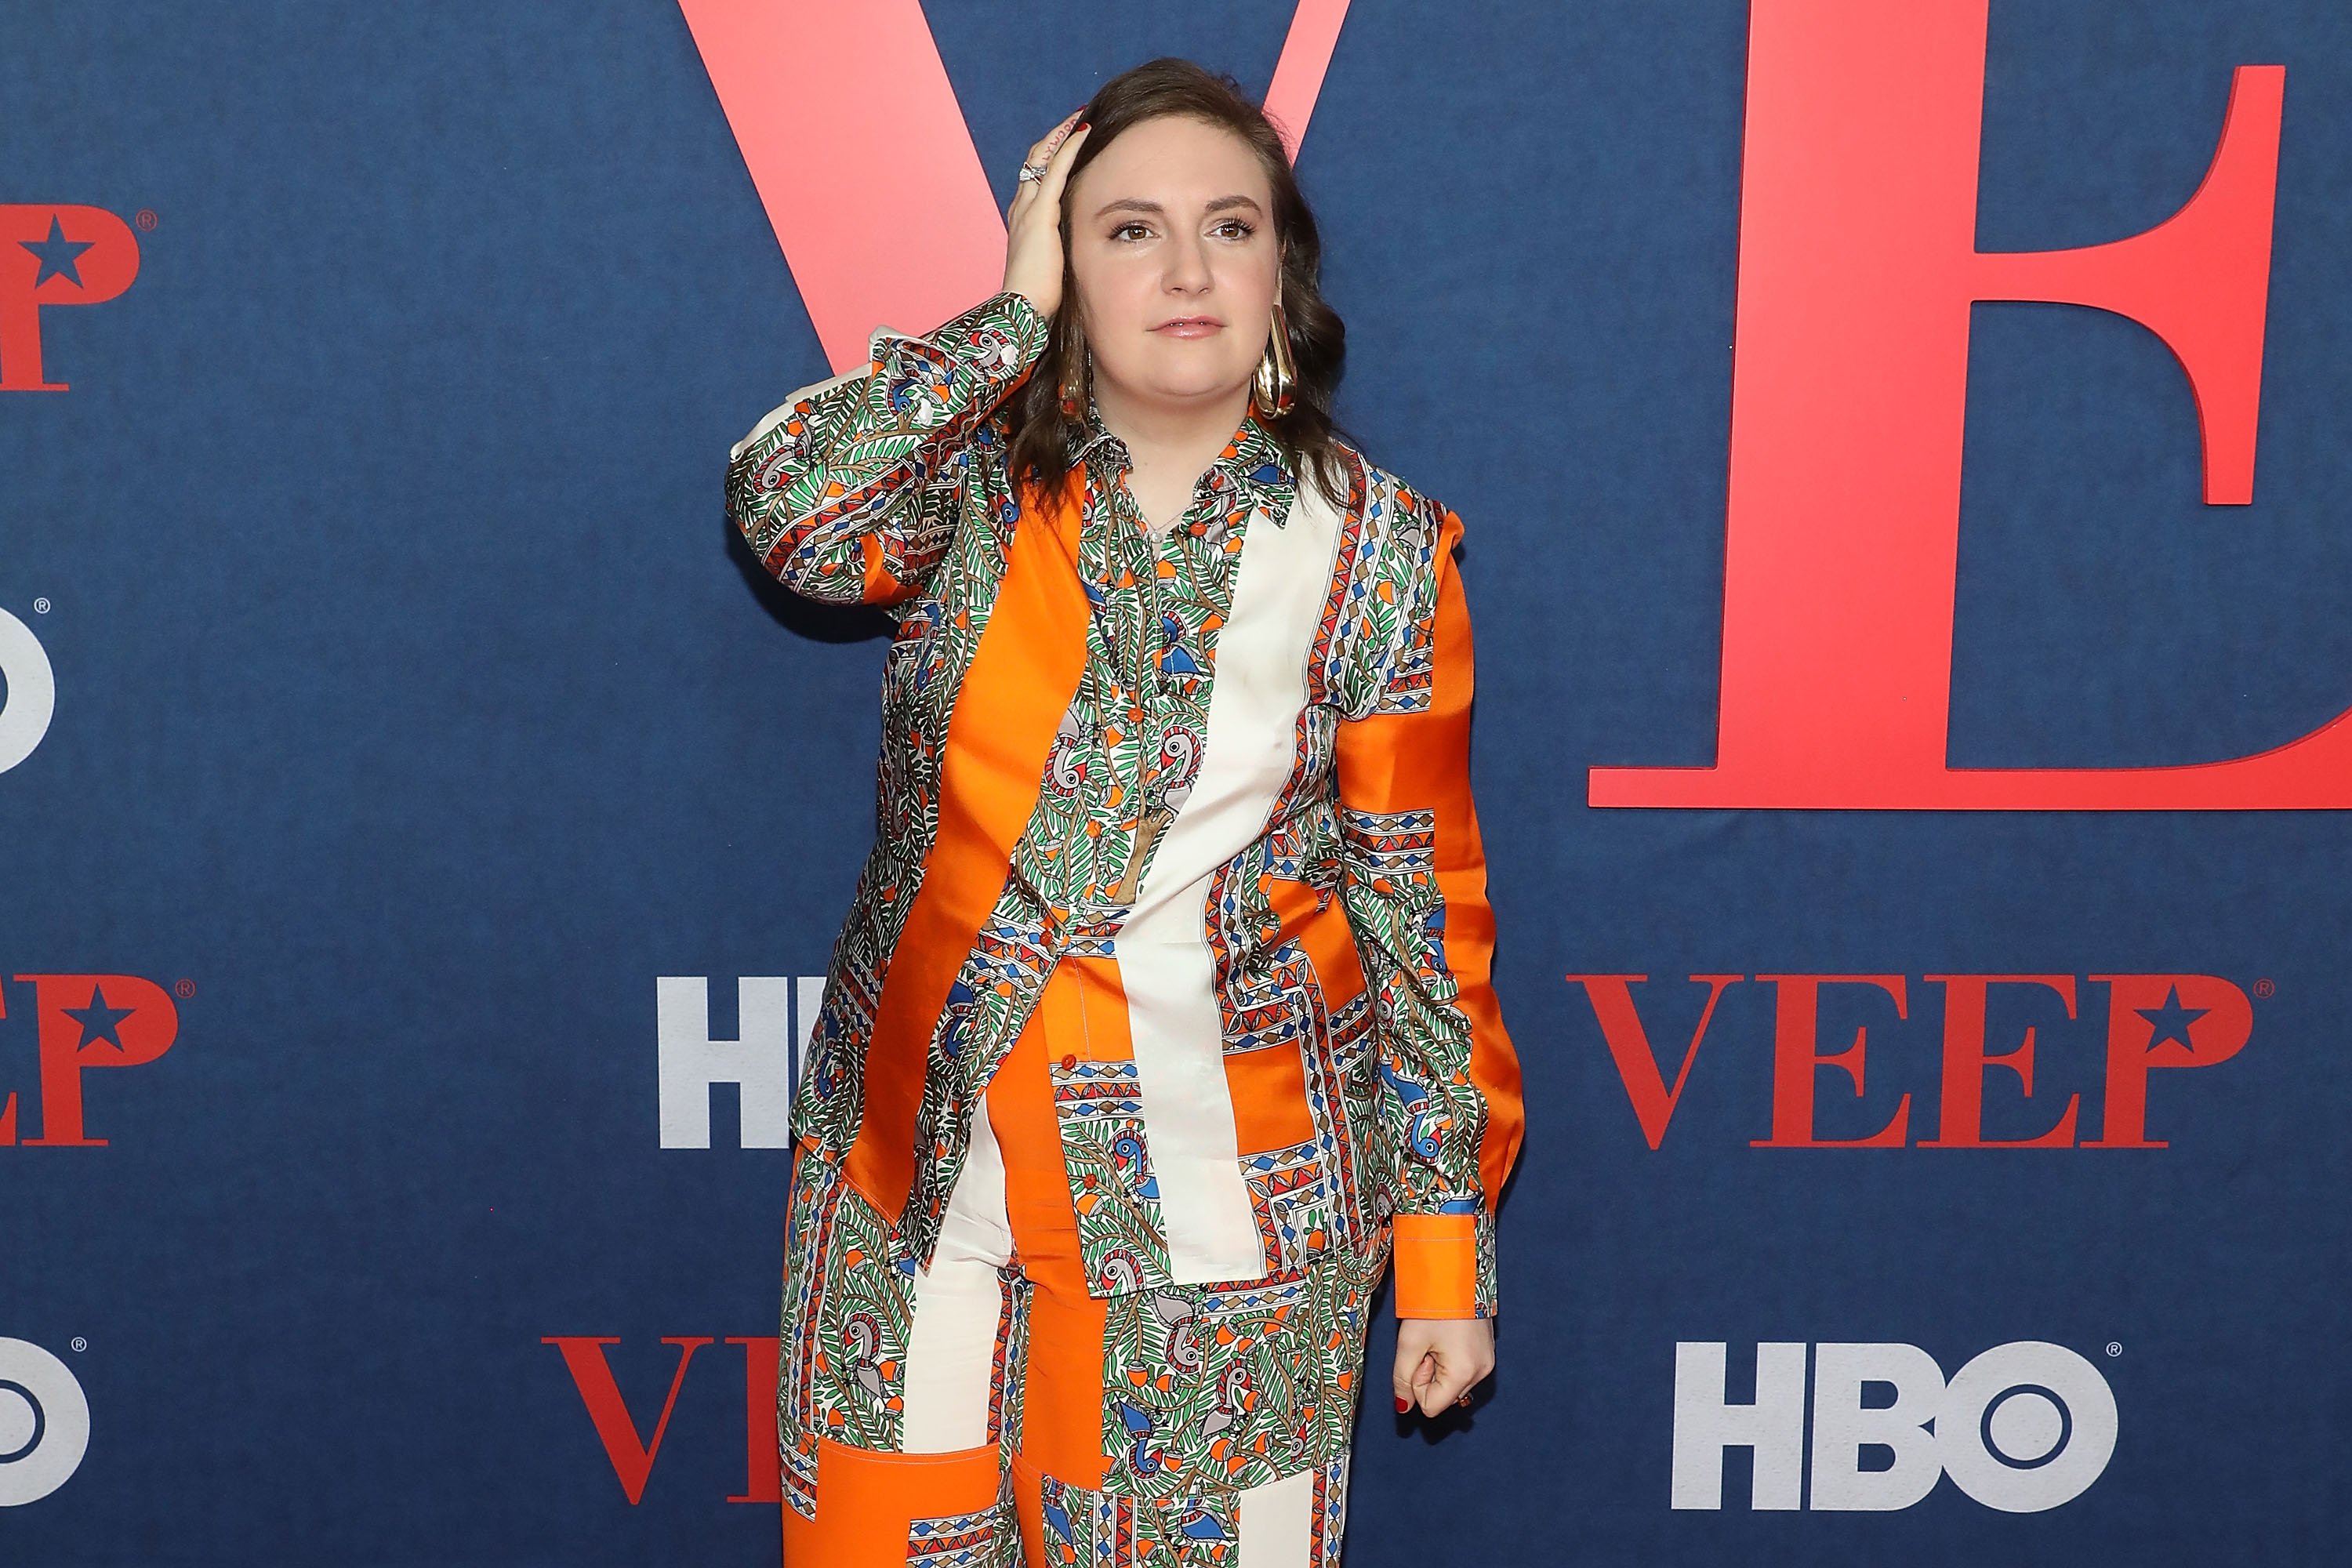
(1162, 1020)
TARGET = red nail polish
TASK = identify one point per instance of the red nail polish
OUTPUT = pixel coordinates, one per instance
(1403, 1405)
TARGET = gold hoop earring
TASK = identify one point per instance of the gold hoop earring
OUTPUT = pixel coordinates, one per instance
(1274, 387)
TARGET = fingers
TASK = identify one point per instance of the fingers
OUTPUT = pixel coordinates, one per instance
(1057, 172)
(1436, 1364)
(1044, 146)
(1049, 153)
(1415, 1364)
(1448, 1382)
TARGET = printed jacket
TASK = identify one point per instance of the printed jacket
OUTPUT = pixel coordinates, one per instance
(1230, 759)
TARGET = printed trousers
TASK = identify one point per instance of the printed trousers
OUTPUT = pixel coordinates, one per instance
(988, 1410)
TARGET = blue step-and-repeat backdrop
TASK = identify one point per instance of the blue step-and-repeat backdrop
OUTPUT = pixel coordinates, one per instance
(422, 824)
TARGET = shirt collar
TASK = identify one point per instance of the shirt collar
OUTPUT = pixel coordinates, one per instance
(1252, 466)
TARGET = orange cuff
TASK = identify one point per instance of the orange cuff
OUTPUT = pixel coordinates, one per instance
(1436, 1264)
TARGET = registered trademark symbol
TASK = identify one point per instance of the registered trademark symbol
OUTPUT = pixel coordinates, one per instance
(2264, 987)
(78, 1344)
(2115, 1347)
(144, 217)
(183, 989)
(41, 606)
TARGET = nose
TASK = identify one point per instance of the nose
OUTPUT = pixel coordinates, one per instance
(1188, 264)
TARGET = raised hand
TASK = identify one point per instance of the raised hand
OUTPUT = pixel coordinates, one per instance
(1033, 238)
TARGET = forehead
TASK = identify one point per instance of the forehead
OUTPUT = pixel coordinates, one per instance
(1175, 161)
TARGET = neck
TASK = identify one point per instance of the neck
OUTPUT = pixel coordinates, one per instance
(1183, 437)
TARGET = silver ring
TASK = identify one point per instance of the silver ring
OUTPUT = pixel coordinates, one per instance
(1030, 172)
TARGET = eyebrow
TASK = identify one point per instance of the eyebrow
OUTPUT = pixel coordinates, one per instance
(1137, 204)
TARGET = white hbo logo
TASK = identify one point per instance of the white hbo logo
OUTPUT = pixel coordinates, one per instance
(44, 1423)
(762, 1061)
(32, 691)
(2023, 1427)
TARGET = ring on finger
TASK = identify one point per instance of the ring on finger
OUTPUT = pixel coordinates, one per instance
(1029, 172)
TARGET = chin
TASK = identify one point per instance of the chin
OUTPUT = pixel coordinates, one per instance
(1193, 382)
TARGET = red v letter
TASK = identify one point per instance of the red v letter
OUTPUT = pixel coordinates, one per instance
(633, 1460)
(1628, 1044)
(846, 117)
(1857, 267)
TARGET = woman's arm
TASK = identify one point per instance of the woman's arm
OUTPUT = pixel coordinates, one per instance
(850, 489)
(1414, 883)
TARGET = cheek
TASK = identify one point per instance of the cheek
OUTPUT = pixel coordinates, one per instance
(1116, 293)
(1251, 283)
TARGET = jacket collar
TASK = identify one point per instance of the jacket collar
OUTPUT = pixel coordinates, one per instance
(1252, 468)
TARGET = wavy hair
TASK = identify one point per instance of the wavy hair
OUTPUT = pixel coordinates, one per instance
(1042, 439)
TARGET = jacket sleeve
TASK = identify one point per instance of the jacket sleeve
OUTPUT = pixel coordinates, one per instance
(1413, 880)
(849, 490)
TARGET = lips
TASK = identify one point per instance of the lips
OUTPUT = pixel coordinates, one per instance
(1189, 326)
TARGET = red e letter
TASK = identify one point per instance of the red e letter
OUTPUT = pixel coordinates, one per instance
(1857, 268)
(1797, 1057)
(1960, 1121)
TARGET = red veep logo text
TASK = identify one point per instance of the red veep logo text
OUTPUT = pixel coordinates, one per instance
(52, 255)
(86, 1022)
(631, 1451)
(2155, 1023)
(1857, 268)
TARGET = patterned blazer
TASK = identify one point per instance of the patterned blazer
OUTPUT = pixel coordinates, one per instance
(1228, 765)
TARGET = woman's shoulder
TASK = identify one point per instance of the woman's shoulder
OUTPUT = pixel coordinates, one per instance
(1393, 562)
(1393, 516)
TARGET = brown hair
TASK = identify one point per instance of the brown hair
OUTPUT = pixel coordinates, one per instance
(1042, 438)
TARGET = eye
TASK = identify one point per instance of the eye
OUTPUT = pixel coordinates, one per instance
(1233, 229)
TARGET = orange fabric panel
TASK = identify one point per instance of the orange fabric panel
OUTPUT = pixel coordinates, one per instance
(1062, 1397)
(1029, 1508)
(1268, 1088)
(867, 1501)
(993, 760)
(1436, 1266)
(1029, 1133)
(1093, 1025)
(1409, 762)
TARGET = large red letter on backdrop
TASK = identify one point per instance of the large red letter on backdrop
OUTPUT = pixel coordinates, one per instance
(52, 255)
(878, 198)
(1857, 268)
(92, 1021)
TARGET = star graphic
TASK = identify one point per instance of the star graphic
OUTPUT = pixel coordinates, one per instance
(2171, 1020)
(58, 254)
(98, 1020)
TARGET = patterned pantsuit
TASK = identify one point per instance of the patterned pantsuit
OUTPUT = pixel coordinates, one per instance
(988, 1409)
(1162, 1021)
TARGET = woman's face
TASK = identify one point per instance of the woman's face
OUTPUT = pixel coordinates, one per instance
(1173, 251)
